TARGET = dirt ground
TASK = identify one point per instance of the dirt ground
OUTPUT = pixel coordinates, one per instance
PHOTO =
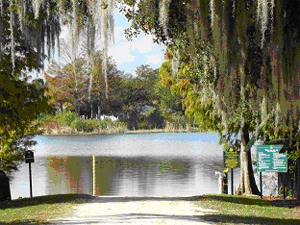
(137, 210)
(279, 201)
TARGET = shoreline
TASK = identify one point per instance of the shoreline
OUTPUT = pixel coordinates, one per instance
(153, 131)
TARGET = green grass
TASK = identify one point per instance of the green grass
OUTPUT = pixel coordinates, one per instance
(38, 210)
(248, 210)
(230, 209)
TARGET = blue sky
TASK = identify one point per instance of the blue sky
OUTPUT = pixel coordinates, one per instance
(129, 55)
(141, 50)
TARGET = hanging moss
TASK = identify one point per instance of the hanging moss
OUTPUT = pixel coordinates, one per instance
(224, 24)
(40, 21)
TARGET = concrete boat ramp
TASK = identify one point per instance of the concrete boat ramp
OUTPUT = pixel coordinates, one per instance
(137, 210)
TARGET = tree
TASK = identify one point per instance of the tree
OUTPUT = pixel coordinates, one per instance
(67, 84)
(250, 47)
(104, 85)
(20, 101)
(27, 28)
(70, 84)
(170, 102)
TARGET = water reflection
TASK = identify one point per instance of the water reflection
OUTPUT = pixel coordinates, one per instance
(117, 176)
(127, 165)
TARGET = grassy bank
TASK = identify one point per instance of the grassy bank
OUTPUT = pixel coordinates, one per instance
(38, 210)
(112, 128)
(68, 123)
(249, 210)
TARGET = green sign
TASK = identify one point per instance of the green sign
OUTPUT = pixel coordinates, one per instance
(270, 160)
(231, 158)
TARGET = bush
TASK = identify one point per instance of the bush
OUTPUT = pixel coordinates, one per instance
(155, 119)
(69, 117)
(88, 125)
(69, 123)
(77, 125)
(65, 118)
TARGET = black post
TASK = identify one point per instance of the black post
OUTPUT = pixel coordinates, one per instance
(232, 182)
(261, 186)
(225, 182)
(30, 179)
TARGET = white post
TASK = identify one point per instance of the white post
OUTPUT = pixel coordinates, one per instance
(220, 176)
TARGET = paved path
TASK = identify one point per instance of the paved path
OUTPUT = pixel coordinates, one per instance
(138, 210)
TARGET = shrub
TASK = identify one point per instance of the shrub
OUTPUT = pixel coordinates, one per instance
(77, 125)
(68, 117)
(88, 125)
(65, 118)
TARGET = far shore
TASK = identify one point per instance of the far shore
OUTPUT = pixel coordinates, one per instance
(103, 132)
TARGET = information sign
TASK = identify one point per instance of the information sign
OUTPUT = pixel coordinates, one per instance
(270, 160)
(231, 158)
(29, 156)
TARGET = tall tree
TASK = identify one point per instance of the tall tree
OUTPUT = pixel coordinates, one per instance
(67, 84)
(96, 16)
(27, 28)
(254, 50)
(70, 83)
(20, 101)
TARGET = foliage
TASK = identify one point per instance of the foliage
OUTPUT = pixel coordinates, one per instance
(20, 104)
(170, 103)
(66, 85)
(69, 86)
(68, 122)
(20, 101)
(224, 63)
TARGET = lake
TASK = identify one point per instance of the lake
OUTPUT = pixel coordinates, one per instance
(161, 164)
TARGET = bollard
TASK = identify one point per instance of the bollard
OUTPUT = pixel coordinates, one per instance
(220, 176)
(225, 182)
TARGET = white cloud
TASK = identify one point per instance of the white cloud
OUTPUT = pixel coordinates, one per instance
(154, 59)
(143, 44)
(119, 34)
(121, 53)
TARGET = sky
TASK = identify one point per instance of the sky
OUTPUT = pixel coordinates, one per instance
(129, 55)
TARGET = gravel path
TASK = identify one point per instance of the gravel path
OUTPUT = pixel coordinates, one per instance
(137, 210)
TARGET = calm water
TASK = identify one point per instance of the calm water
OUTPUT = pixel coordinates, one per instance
(126, 165)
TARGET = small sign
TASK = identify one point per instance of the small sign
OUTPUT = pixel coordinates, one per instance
(29, 157)
(231, 158)
(269, 159)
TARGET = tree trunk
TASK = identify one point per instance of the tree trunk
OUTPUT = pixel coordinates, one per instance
(105, 40)
(99, 112)
(91, 32)
(247, 184)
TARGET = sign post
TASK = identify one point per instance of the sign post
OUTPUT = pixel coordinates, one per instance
(29, 158)
(270, 159)
(231, 159)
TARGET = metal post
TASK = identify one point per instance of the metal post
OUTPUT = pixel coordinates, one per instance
(94, 175)
(30, 180)
(225, 182)
(261, 186)
(232, 182)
